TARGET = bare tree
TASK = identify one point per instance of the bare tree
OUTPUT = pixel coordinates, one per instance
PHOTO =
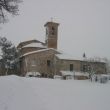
(91, 70)
(10, 6)
(93, 66)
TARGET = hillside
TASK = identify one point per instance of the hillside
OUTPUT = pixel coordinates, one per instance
(19, 93)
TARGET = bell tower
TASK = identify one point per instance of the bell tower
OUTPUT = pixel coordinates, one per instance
(51, 34)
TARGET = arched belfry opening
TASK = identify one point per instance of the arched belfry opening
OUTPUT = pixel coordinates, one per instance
(51, 34)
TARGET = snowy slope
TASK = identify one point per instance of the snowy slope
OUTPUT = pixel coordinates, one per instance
(18, 93)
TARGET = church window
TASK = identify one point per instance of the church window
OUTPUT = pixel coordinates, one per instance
(48, 63)
(71, 67)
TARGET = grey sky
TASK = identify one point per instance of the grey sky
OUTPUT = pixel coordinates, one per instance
(84, 25)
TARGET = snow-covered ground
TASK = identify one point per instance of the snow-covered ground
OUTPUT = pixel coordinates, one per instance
(19, 93)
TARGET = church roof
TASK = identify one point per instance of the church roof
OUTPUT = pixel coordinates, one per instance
(49, 23)
(34, 44)
(37, 51)
(66, 56)
(30, 43)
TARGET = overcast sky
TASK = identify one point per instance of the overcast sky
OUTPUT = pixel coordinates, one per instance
(84, 25)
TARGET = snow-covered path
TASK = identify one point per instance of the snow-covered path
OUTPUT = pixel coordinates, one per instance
(18, 93)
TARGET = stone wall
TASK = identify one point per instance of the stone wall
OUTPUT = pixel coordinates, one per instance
(64, 65)
(42, 62)
(46, 63)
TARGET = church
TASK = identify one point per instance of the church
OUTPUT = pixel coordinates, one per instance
(44, 59)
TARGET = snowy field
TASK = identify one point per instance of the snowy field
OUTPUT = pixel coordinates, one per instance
(18, 93)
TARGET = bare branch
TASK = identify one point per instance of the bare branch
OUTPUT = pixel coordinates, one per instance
(10, 6)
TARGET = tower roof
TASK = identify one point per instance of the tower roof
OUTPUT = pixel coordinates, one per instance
(49, 23)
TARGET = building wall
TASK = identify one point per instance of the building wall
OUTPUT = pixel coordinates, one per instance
(37, 62)
(97, 67)
(64, 65)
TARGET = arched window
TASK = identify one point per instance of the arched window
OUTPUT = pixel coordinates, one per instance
(53, 30)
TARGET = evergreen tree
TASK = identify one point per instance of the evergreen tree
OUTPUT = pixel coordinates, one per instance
(8, 57)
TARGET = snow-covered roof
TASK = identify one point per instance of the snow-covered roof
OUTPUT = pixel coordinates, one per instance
(81, 73)
(37, 51)
(106, 75)
(31, 42)
(71, 73)
(34, 44)
(67, 73)
(57, 76)
(33, 74)
(66, 56)
(96, 59)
